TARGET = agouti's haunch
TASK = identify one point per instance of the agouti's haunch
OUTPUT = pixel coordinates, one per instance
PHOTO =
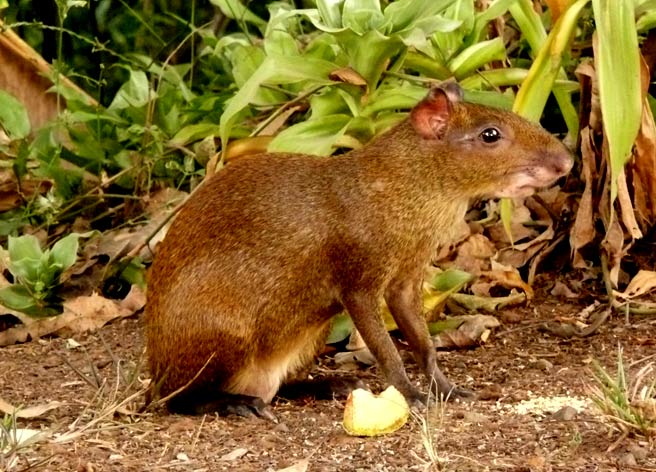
(261, 257)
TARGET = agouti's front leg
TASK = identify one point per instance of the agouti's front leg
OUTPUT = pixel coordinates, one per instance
(404, 300)
(365, 313)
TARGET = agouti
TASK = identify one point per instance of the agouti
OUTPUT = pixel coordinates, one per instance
(243, 287)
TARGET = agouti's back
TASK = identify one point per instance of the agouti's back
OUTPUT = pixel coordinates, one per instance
(262, 256)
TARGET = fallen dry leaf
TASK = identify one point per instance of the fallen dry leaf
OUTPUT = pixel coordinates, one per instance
(348, 75)
(300, 466)
(643, 164)
(643, 282)
(562, 290)
(28, 412)
(234, 455)
(474, 254)
(489, 304)
(472, 331)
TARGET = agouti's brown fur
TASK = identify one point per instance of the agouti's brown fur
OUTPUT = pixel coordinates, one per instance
(268, 250)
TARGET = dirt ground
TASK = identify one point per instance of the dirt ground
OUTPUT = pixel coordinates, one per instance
(520, 362)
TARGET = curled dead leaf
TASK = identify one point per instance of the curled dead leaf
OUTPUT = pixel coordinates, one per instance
(472, 330)
(35, 411)
(642, 283)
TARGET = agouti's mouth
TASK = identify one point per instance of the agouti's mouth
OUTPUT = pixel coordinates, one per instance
(526, 182)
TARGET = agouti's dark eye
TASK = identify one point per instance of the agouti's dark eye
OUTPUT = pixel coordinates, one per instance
(490, 135)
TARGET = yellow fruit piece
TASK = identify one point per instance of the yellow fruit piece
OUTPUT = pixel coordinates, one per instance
(366, 414)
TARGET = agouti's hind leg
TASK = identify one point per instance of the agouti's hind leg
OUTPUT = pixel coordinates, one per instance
(323, 388)
(223, 403)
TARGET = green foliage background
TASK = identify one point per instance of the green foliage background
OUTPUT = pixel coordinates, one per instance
(177, 81)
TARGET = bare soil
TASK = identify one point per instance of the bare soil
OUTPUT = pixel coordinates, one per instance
(520, 362)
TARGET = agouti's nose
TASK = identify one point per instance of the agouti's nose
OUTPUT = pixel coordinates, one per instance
(561, 162)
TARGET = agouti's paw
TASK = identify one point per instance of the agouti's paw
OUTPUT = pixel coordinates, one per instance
(256, 407)
(458, 393)
(417, 401)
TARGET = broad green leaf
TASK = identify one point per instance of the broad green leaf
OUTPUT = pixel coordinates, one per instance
(451, 323)
(340, 329)
(330, 12)
(281, 43)
(80, 116)
(315, 137)
(476, 56)
(327, 102)
(406, 14)
(617, 60)
(64, 252)
(496, 9)
(237, 11)
(646, 21)
(24, 247)
(535, 90)
(491, 98)
(419, 37)
(4, 4)
(135, 272)
(529, 23)
(432, 67)
(195, 132)
(495, 78)
(534, 32)
(450, 280)
(509, 76)
(395, 97)
(13, 116)
(369, 54)
(362, 16)
(27, 270)
(276, 70)
(16, 297)
(135, 93)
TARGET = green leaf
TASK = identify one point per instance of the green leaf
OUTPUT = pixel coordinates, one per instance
(330, 12)
(496, 9)
(341, 328)
(533, 94)
(4, 4)
(405, 14)
(16, 297)
(506, 207)
(237, 11)
(617, 60)
(315, 137)
(369, 54)
(476, 56)
(135, 273)
(362, 16)
(451, 280)
(281, 43)
(25, 257)
(191, 133)
(394, 97)
(276, 70)
(135, 93)
(13, 116)
(64, 252)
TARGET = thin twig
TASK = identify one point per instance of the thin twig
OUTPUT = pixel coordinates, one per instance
(162, 401)
(281, 110)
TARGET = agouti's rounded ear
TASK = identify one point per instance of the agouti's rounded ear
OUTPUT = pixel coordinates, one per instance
(431, 116)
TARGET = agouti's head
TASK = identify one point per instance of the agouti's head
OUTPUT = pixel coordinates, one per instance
(489, 152)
